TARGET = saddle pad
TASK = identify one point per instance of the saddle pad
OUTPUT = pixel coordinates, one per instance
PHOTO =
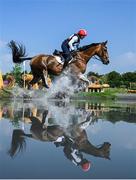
(58, 58)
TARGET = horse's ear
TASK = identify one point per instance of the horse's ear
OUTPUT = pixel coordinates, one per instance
(105, 42)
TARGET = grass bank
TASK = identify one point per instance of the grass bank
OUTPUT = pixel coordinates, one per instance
(108, 94)
(5, 93)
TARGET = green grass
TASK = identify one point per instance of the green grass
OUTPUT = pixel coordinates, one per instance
(5, 93)
(107, 94)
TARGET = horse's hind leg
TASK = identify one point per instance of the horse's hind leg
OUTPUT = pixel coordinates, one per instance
(33, 81)
(44, 78)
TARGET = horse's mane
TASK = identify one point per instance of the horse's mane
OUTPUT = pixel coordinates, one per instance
(83, 48)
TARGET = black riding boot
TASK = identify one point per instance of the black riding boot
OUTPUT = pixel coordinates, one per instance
(67, 59)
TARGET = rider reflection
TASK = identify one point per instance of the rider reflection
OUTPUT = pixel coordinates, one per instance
(73, 154)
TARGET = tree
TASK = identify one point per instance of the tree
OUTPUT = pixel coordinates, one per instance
(103, 79)
(114, 79)
(92, 74)
(17, 73)
(128, 78)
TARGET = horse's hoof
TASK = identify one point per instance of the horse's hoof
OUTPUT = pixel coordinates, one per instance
(47, 87)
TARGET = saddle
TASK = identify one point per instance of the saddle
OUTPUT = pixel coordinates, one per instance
(60, 54)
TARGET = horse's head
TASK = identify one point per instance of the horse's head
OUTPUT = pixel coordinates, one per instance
(102, 52)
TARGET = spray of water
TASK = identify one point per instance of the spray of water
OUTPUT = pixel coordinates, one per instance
(60, 113)
(63, 86)
(19, 92)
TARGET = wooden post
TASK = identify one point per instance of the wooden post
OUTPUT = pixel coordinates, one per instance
(1, 81)
(24, 72)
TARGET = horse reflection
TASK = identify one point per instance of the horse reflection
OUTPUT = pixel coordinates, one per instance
(73, 139)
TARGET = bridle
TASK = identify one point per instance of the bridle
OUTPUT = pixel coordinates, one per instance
(94, 57)
(99, 59)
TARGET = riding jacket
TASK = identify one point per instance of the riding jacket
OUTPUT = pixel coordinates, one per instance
(73, 41)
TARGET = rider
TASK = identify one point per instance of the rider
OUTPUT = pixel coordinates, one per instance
(72, 153)
(68, 45)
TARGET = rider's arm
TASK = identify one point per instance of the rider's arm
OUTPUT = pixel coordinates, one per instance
(77, 45)
(72, 41)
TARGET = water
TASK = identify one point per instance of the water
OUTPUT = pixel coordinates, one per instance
(41, 139)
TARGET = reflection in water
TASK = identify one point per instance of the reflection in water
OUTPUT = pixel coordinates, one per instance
(17, 111)
(72, 138)
(64, 125)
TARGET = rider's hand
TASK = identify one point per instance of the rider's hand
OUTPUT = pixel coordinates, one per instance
(74, 53)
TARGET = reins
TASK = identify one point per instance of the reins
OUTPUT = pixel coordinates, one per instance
(96, 58)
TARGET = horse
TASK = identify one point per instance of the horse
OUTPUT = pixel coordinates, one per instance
(42, 64)
(74, 136)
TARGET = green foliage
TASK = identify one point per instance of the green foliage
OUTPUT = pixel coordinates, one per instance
(15, 122)
(103, 79)
(6, 75)
(129, 77)
(133, 86)
(92, 74)
(109, 93)
(114, 79)
(17, 71)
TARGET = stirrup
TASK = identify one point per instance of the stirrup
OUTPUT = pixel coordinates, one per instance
(70, 60)
(65, 64)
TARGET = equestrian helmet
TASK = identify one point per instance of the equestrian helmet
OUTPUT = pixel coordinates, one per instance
(82, 32)
(86, 166)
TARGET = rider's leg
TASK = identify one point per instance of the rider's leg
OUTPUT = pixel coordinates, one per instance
(66, 51)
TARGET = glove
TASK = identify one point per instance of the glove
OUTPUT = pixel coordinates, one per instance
(74, 53)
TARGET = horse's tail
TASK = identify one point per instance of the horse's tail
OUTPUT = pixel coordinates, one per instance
(18, 52)
(18, 142)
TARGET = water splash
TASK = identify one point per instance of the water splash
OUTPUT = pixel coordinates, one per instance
(63, 86)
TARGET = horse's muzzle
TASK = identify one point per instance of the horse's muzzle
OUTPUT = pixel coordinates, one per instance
(106, 62)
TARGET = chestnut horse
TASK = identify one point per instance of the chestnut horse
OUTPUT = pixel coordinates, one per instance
(43, 64)
(75, 135)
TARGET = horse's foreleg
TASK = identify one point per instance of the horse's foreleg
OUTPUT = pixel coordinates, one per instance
(45, 114)
(83, 78)
(87, 122)
(44, 78)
